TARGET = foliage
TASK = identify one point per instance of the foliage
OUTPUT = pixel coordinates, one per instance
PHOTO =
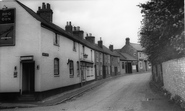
(162, 31)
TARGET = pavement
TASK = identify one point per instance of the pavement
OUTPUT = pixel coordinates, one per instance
(57, 99)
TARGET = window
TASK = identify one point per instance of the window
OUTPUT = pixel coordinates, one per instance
(83, 50)
(123, 65)
(97, 57)
(78, 69)
(100, 57)
(139, 54)
(56, 66)
(71, 68)
(56, 40)
(91, 56)
(140, 63)
(74, 46)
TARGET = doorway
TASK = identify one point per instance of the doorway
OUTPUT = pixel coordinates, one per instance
(128, 67)
(28, 77)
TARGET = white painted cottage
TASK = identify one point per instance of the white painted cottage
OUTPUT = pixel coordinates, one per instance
(37, 55)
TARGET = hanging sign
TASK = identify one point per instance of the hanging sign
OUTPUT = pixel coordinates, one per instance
(7, 27)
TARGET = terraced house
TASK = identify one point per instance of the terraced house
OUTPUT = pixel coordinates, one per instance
(37, 56)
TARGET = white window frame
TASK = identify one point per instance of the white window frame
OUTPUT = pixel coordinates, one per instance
(56, 40)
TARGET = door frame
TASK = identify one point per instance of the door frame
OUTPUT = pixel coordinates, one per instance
(21, 77)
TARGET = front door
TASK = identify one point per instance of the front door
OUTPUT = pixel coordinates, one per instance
(28, 77)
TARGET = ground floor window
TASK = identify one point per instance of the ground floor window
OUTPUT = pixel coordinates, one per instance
(71, 68)
(56, 66)
(140, 64)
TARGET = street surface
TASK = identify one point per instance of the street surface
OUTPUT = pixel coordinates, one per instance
(124, 93)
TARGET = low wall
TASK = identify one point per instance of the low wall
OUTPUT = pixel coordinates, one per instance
(174, 77)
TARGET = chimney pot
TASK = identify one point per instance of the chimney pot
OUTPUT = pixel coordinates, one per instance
(111, 47)
(45, 12)
(100, 43)
(78, 28)
(48, 6)
(74, 28)
(43, 6)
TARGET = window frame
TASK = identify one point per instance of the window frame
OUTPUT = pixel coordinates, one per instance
(74, 46)
(71, 68)
(56, 40)
(56, 67)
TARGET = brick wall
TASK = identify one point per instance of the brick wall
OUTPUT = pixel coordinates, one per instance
(174, 77)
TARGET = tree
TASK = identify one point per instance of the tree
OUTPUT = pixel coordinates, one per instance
(162, 31)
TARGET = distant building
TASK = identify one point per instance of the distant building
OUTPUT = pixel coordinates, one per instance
(136, 59)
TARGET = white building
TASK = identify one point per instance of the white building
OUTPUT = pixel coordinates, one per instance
(38, 55)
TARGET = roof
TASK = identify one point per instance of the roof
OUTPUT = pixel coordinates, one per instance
(128, 57)
(58, 29)
(109, 51)
(120, 55)
(137, 46)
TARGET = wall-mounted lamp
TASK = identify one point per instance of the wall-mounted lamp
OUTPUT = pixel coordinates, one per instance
(68, 60)
(5, 7)
(38, 67)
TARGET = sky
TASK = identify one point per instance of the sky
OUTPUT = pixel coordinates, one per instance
(112, 20)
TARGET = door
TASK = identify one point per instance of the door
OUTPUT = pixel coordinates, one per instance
(115, 70)
(28, 77)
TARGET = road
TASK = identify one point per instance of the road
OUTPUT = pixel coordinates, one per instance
(126, 93)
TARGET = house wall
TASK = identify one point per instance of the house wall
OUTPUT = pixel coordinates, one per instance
(174, 77)
(115, 62)
(99, 64)
(106, 60)
(27, 42)
(143, 62)
(63, 52)
(89, 71)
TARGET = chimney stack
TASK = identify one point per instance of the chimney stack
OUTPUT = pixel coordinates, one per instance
(69, 27)
(90, 38)
(100, 43)
(111, 47)
(127, 41)
(79, 33)
(45, 12)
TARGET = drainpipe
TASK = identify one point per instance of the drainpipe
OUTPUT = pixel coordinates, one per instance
(79, 65)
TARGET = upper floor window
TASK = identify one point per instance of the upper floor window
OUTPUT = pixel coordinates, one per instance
(56, 66)
(91, 56)
(74, 46)
(56, 39)
(83, 48)
(101, 57)
(139, 54)
(97, 56)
